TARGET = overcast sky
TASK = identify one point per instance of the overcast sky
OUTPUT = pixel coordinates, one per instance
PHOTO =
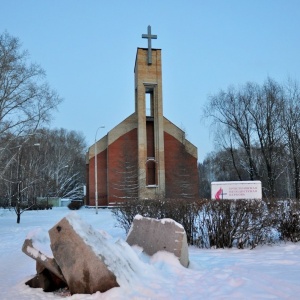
(88, 49)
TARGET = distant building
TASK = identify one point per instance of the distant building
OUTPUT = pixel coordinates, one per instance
(146, 155)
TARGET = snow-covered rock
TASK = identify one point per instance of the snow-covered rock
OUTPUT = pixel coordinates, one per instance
(86, 271)
(159, 235)
(49, 276)
(42, 259)
(90, 260)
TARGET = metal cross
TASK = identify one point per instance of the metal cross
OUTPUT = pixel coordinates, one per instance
(149, 37)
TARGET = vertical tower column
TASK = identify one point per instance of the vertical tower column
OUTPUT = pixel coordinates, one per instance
(148, 79)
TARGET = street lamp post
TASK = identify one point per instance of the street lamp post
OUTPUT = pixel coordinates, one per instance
(96, 171)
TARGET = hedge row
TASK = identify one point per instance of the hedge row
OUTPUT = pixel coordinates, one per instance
(221, 224)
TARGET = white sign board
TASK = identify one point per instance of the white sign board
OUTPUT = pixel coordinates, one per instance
(236, 190)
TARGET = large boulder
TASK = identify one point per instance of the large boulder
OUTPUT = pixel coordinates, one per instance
(84, 270)
(159, 235)
(92, 261)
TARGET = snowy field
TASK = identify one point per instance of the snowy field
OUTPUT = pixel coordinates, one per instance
(268, 272)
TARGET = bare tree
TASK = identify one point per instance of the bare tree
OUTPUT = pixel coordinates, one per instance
(49, 163)
(19, 175)
(63, 157)
(222, 165)
(249, 119)
(57, 166)
(227, 144)
(26, 100)
(229, 112)
(291, 124)
(265, 113)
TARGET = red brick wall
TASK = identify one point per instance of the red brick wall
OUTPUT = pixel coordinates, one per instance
(87, 196)
(111, 165)
(102, 179)
(179, 166)
(121, 153)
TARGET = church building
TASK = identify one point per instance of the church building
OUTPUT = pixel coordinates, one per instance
(145, 156)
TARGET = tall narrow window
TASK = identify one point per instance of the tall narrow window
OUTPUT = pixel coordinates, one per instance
(151, 173)
(150, 139)
(148, 104)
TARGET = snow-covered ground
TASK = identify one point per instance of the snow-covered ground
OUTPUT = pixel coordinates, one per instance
(268, 272)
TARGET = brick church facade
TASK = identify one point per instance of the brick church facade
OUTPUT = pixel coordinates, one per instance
(145, 156)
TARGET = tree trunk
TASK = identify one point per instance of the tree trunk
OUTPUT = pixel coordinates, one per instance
(18, 218)
(18, 211)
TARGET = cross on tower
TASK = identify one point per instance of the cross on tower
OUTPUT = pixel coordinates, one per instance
(149, 37)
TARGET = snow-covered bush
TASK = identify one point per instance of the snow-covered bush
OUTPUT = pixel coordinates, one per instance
(230, 223)
(183, 211)
(287, 219)
(220, 224)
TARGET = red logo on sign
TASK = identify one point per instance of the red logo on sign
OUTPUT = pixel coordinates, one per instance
(218, 193)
